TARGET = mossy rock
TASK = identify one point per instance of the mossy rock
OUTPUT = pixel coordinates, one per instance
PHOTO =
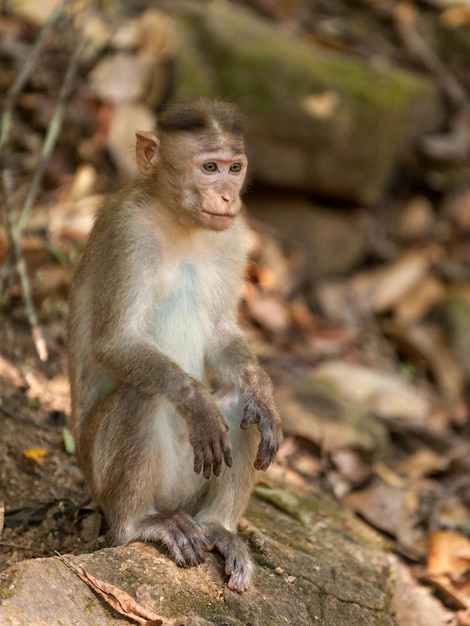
(321, 122)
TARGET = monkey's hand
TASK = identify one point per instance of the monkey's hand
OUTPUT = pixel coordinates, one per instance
(207, 433)
(261, 409)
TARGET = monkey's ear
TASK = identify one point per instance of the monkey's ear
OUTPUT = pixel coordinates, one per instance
(146, 151)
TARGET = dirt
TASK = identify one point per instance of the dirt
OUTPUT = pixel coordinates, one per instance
(44, 495)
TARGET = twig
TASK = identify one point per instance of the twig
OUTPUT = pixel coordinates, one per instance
(417, 46)
(17, 546)
(454, 144)
(15, 227)
(27, 420)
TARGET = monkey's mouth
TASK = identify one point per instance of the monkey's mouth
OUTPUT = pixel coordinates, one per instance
(219, 215)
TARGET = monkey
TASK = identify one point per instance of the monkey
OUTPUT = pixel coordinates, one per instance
(171, 412)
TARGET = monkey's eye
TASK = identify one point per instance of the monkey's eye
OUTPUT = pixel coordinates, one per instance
(235, 168)
(210, 167)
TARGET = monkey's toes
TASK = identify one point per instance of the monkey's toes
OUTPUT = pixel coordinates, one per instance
(189, 552)
(240, 580)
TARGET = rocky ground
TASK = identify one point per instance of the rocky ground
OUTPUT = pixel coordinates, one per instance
(358, 293)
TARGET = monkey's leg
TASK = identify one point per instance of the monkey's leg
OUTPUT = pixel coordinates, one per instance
(228, 495)
(178, 532)
(130, 450)
(238, 562)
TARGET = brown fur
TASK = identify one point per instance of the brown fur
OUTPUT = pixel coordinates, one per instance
(152, 312)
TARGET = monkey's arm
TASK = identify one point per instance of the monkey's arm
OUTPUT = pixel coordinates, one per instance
(121, 344)
(136, 362)
(232, 359)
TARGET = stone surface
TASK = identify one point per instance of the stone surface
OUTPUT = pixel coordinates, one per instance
(332, 239)
(320, 122)
(315, 563)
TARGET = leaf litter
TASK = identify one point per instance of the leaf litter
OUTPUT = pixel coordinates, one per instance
(386, 340)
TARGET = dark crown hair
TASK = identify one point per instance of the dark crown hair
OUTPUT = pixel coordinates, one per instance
(199, 115)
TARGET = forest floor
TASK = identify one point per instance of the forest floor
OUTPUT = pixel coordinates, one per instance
(404, 359)
(42, 489)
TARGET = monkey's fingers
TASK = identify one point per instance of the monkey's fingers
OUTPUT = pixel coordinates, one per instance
(198, 461)
(227, 453)
(267, 451)
(263, 462)
(213, 456)
(251, 416)
(216, 458)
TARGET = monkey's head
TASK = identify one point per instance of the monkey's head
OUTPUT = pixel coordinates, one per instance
(197, 156)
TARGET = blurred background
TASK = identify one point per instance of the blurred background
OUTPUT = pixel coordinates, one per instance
(357, 297)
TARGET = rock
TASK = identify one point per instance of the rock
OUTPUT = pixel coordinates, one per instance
(386, 394)
(317, 121)
(315, 563)
(332, 239)
(315, 410)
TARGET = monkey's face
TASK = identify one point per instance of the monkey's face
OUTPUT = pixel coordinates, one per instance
(217, 179)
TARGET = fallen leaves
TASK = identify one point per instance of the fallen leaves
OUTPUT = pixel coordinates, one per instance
(124, 604)
(383, 288)
(448, 553)
(448, 568)
(117, 599)
(36, 455)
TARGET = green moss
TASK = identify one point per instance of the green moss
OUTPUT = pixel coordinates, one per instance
(6, 582)
(249, 54)
(193, 76)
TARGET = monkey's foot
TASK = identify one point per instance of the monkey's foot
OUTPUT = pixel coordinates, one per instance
(179, 533)
(238, 563)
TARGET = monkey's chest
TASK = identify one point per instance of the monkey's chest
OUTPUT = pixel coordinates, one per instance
(184, 316)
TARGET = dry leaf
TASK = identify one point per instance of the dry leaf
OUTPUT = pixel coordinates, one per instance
(457, 206)
(406, 13)
(4, 243)
(446, 589)
(350, 466)
(267, 309)
(302, 417)
(380, 504)
(31, 10)
(463, 617)
(122, 77)
(416, 218)
(52, 280)
(37, 455)
(417, 303)
(422, 463)
(2, 518)
(73, 219)
(455, 17)
(125, 120)
(394, 510)
(322, 105)
(448, 553)
(429, 343)
(119, 600)
(385, 393)
(381, 289)
(11, 373)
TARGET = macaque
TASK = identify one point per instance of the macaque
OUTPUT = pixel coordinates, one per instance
(171, 412)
